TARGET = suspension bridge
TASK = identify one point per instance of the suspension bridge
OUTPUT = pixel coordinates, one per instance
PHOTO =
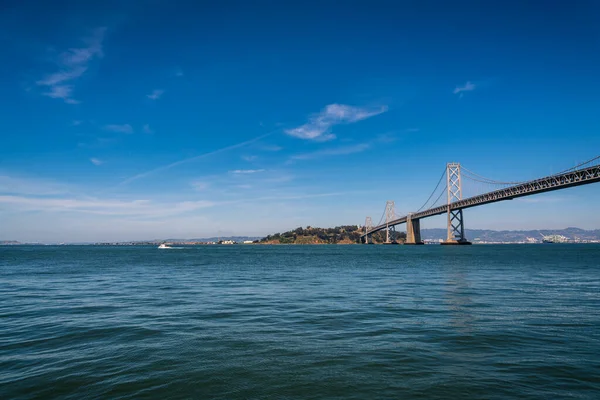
(459, 197)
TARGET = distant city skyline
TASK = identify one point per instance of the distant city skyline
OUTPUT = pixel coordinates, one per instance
(142, 120)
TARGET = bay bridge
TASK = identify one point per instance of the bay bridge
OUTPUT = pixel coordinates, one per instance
(459, 197)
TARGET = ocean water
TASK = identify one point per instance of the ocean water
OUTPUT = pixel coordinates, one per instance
(300, 322)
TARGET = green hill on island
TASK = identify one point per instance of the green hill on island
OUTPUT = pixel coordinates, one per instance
(345, 234)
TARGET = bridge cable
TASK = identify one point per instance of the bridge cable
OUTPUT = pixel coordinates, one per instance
(440, 196)
(434, 190)
(490, 181)
(578, 165)
(382, 217)
(483, 179)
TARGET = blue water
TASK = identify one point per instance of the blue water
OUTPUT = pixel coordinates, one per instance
(300, 322)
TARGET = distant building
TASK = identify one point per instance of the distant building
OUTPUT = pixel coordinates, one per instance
(555, 239)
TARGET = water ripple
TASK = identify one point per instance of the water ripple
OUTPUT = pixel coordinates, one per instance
(351, 322)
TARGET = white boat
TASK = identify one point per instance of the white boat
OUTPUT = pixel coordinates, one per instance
(164, 246)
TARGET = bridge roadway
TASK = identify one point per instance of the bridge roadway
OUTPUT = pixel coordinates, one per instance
(564, 180)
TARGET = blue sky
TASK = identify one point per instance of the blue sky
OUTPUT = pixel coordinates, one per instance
(127, 120)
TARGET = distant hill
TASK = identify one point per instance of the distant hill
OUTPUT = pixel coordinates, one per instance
(487, 235)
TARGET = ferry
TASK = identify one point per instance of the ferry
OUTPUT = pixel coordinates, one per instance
(164, 246)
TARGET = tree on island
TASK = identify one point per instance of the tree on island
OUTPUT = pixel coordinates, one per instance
(345, 234)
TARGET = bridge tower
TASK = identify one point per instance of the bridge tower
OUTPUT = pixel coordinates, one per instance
(368, 227)
(390, 215)
(456, 229)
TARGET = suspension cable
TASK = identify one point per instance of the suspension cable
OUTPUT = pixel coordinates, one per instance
(434, 190)
(440, 196)
(484, 179)
(578, 165)
(382, 216)
(490, 182)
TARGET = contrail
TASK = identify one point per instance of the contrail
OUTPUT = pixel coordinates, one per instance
(198, 157)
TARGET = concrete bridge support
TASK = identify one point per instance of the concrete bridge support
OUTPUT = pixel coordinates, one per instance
(413, 231)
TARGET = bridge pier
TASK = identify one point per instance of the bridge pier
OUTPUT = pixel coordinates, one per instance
(413, 231)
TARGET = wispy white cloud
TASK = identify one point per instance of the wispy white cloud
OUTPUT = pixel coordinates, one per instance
(247, 171)
(94, 219)
(178, 72)
(219, 200)
(146, 129)
(139, 208)
(96, 161)
(62, 76)
(156, 94)
(389, 137)
(283, 178)
(249, 158)
(467, 87)
(336, 151)
(76, 122)
(200, 185)
(299, 196)
(319, 125)
(32, 186)
(196, 158)
(225, 185)
(125, 128)
(61, 92)
(73, 63)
